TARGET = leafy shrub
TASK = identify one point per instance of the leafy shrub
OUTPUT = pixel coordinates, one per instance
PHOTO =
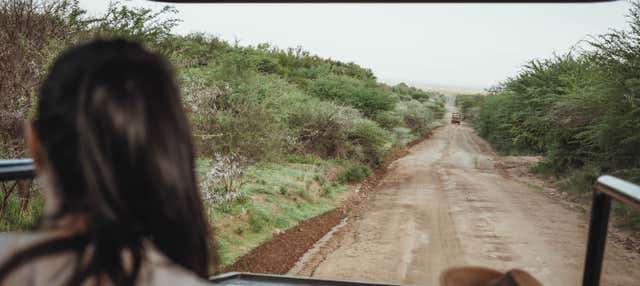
(417, 116)
(243, 119)
(138, 24)
(353, 174)
(330, 130)
(388, 119)
(409, 92)
(367, 142)
(32, 34)
(360, 95)
(318, 126)
(632, 175)
(469, 105)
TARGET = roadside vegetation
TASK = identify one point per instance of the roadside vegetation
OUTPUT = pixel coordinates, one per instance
(581, 110)
(279, 132)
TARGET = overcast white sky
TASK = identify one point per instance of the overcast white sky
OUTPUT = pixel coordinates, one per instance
(439, 45)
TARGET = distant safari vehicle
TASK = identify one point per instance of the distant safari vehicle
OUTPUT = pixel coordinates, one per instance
(456, 118)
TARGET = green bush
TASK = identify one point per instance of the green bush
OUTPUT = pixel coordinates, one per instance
(410, 92)
(417, 116)
(354, 173)
(318, 126)
(330, 130)
(361, 95)
(632, 175)
(367, 142)
(469, 105)
(244, 120)
(139, 24)
(388, 119)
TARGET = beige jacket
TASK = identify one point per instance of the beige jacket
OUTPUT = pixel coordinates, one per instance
(55, 270)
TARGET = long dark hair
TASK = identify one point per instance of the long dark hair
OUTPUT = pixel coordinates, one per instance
(119, 148)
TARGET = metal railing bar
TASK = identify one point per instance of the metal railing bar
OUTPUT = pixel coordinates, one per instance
(15, 169)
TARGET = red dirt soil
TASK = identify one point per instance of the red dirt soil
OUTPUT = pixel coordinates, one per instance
(280, 253)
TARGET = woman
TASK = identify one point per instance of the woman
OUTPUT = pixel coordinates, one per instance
(112, 147)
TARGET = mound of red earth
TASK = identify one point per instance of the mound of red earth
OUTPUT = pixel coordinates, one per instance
(281, 252)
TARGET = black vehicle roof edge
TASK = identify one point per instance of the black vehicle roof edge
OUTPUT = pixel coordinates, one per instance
(292, 280)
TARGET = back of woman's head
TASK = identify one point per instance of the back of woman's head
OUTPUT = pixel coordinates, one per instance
(118, 147)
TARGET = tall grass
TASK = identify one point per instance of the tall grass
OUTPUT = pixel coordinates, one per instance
(12, 218)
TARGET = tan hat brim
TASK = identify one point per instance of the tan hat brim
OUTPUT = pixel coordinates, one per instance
(482, 276)
(468, 276)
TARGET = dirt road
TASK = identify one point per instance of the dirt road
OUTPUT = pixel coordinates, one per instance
(449, 203)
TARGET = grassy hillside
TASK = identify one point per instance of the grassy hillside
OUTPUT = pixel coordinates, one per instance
(279, 132)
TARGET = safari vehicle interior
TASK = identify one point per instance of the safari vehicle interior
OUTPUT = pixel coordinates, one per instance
(606, 189)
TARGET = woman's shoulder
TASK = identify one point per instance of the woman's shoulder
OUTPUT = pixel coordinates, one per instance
(160, 270)
(165, 272)
(12, 242)
(172, 276)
